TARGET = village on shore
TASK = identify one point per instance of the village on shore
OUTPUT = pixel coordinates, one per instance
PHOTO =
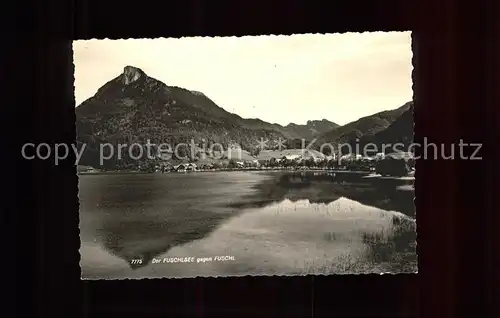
(393, 164)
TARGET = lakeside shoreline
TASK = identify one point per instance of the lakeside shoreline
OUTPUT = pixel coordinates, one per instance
(362, 174)
(233, 170)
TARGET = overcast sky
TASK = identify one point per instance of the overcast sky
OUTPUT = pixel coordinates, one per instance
(279, 79)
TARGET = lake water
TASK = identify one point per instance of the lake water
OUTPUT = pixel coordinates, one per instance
(266, 224)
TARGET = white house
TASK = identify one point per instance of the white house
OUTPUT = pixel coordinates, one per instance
(351, 156)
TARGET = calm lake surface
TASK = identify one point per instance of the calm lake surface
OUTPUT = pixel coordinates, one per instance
(269, 223)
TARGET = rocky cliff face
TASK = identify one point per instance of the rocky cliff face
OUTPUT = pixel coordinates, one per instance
(131, 74)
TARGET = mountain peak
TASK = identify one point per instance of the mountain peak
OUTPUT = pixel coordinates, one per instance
(131, 74)
(312, 122)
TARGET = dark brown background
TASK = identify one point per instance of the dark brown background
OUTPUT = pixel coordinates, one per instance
(456, 80)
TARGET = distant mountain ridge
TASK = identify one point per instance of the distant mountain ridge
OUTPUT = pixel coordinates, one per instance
(400, 131)
(311, 129)
(372, 129)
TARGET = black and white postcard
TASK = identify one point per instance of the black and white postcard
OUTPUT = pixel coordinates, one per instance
(236, 156)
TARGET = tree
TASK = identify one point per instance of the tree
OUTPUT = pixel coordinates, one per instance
(255, 152)
(272, 162)
(332, 163)
(232, 164)
(353, 166)
(411, 163)
(284, 161)
(392, 167)
(323, 163)
(310, 163)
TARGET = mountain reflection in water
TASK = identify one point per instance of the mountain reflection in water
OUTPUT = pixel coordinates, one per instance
(268, 226)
